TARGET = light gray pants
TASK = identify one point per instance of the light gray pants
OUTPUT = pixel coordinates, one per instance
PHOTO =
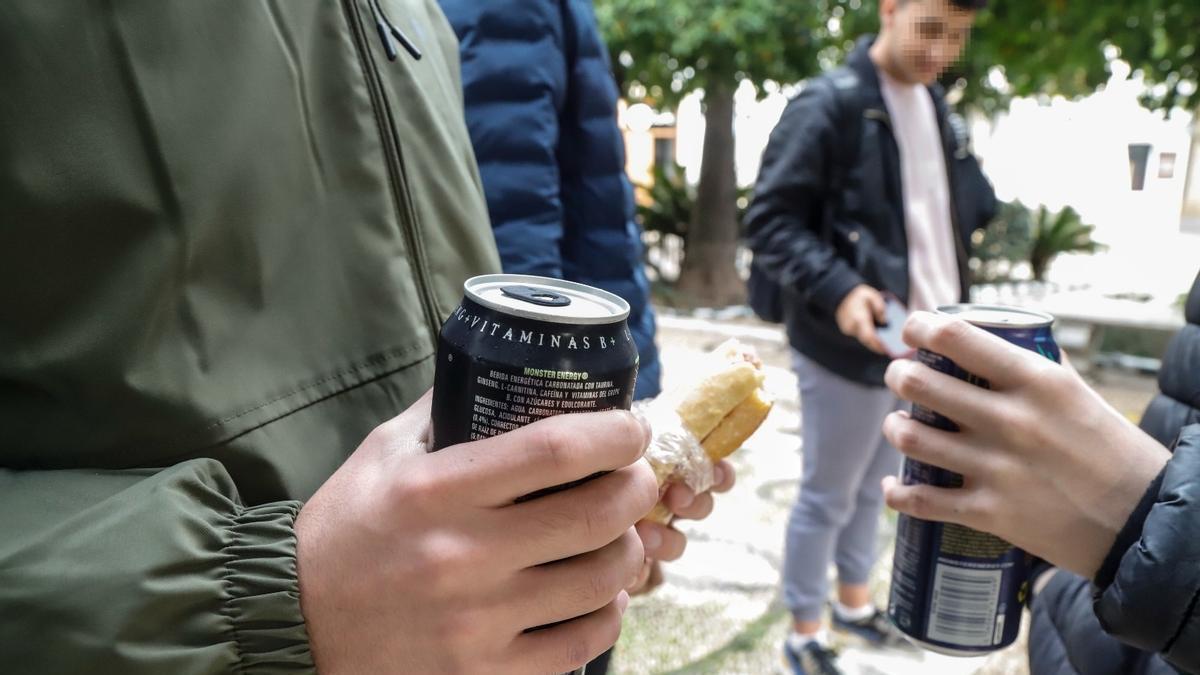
(836, 516)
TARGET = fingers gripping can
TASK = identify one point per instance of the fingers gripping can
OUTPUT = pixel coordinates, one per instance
(955, 590)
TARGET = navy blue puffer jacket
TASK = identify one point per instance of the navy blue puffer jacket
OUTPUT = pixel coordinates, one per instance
(541, 107)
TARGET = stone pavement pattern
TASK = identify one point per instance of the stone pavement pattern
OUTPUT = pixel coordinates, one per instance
(719, 611)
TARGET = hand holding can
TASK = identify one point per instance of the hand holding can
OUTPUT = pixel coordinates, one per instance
(424, 562)
(956, 589)
(1044, 462)
(519, 349)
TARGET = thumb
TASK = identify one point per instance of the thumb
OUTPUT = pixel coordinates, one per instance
(878, 306)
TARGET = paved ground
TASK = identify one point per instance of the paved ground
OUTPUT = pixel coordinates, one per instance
(718, 611)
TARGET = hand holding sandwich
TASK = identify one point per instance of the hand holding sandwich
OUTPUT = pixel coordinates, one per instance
(694, 428)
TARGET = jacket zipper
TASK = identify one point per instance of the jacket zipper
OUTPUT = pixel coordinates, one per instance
(405, 216)
(964, 268)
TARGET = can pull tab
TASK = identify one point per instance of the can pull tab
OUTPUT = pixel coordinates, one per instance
(537, 296)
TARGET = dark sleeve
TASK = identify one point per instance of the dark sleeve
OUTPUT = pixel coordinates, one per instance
(1129, 534)
(975, 197)
(514, 83)
(982, 203)
(1066, 639)
(783, 224)
(1151, 602)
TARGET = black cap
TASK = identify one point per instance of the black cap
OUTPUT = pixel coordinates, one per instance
(970, 4)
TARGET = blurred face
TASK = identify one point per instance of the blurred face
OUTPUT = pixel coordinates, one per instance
(922, 38)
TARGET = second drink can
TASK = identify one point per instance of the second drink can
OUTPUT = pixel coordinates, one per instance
(956, 590)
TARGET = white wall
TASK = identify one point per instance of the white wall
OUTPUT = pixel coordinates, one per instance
(1077, 154)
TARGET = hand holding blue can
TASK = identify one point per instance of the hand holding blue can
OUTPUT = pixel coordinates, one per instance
(1047, 464)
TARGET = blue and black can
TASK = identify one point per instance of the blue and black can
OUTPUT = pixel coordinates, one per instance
(956, 590)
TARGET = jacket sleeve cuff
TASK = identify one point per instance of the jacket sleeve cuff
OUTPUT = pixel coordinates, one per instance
(1151, 602)
(263, 590)
(1129, 534)
(829, 293)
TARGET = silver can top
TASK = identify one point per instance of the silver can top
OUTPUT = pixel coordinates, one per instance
(546, 299)
(998, 316)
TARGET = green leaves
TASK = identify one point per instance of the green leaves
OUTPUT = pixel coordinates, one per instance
(1055, 234)
(669, 210)
(1005, 242)
(672, 200)
(1044, 47)
(667, 49)
(1038, 236)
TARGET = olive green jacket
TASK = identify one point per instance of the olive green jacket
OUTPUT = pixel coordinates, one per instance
(229, 231)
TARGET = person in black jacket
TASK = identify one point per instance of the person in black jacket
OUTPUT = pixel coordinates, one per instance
(867, 187)
(1049, 466)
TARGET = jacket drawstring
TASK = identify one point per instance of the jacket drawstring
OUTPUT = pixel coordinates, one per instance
(387, 30)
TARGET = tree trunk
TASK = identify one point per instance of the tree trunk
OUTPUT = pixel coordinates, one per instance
(709, 277)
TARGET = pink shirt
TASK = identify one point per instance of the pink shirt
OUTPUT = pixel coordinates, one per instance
(932, 259)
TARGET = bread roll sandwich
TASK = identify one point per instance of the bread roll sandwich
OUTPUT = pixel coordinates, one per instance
(706, 419)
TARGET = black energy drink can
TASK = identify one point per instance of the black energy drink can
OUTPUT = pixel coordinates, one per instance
(956, 590)
(522, 348)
